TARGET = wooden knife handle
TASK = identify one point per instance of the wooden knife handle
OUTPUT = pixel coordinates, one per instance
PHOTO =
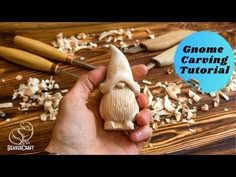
(166, 40)
(27, 59)
(40, 48)
(166, 58)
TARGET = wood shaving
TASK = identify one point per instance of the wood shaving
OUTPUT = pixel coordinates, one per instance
(147, 92)
(43, 117)
(173, 90)
(93, 45)
(162, 123)
(81, 36)
(168, 105)
(56, 86)
(205, 107)
(8, 120)
(64, 91)
(158, 91)
(223, 95)
(216, 100)
(192, 130)
(148, 31)
(178, 115)
(151, 36)
(106, 46)
(6, 105)
(19, 77)
(123, 45)
(170, 71)
(167, 120)
(109, 33)
(213, 94)
(163, 113)
(189, 115)
(194, 96)
(190, 101)
(191, 121)
(2, 114)
(131, 29)
(233, 87)
(147, 82)
(159, 84)
(226, 109)
(109, 39)
(182, 99)
(158, 104)
(23, 109)
(154, 126)
(128, 34)
(150, 145)
(81, 58)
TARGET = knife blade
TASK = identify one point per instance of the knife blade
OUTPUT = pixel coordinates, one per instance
(161, 42)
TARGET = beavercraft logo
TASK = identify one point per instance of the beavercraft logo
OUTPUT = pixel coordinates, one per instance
(20, 137)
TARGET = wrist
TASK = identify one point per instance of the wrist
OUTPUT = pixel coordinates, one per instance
(57, 148)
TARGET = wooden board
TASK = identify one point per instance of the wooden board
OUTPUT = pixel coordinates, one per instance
(215, 129)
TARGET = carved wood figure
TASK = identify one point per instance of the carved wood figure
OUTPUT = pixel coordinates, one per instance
(118, 106)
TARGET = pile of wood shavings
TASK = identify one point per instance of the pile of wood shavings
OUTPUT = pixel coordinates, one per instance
(168, 107)
(36, 93)
(75, 43)
(117, 36)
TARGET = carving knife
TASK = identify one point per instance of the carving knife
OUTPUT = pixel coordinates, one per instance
(47, 51)
(161, 42)
(30, 60)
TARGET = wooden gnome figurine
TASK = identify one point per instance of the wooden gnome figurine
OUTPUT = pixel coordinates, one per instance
(118, 106)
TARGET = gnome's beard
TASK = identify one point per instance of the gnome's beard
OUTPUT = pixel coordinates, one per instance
(118, 107)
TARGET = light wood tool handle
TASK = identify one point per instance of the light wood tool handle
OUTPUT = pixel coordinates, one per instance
(166, 40)
(164, 59)
(40, 48)
(27, 59)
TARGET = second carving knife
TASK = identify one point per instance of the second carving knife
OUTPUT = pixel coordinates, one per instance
(161, 42)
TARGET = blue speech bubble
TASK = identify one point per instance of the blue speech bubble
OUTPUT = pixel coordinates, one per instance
(207, 58)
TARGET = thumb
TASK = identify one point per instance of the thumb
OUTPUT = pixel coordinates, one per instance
(88, 82)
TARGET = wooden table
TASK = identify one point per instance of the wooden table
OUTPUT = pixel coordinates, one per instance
(215, 129)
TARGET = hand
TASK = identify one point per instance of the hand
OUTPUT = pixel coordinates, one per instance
(79, 127)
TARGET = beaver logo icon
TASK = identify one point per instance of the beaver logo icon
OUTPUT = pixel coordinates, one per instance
(21, 135)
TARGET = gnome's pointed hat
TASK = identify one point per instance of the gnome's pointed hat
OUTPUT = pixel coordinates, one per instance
(118, 71)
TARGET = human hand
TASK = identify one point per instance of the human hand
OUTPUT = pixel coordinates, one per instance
(79, 127)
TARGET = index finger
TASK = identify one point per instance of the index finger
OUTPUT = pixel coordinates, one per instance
(139, 71)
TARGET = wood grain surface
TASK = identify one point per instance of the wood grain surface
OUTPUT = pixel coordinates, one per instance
(215, 129)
